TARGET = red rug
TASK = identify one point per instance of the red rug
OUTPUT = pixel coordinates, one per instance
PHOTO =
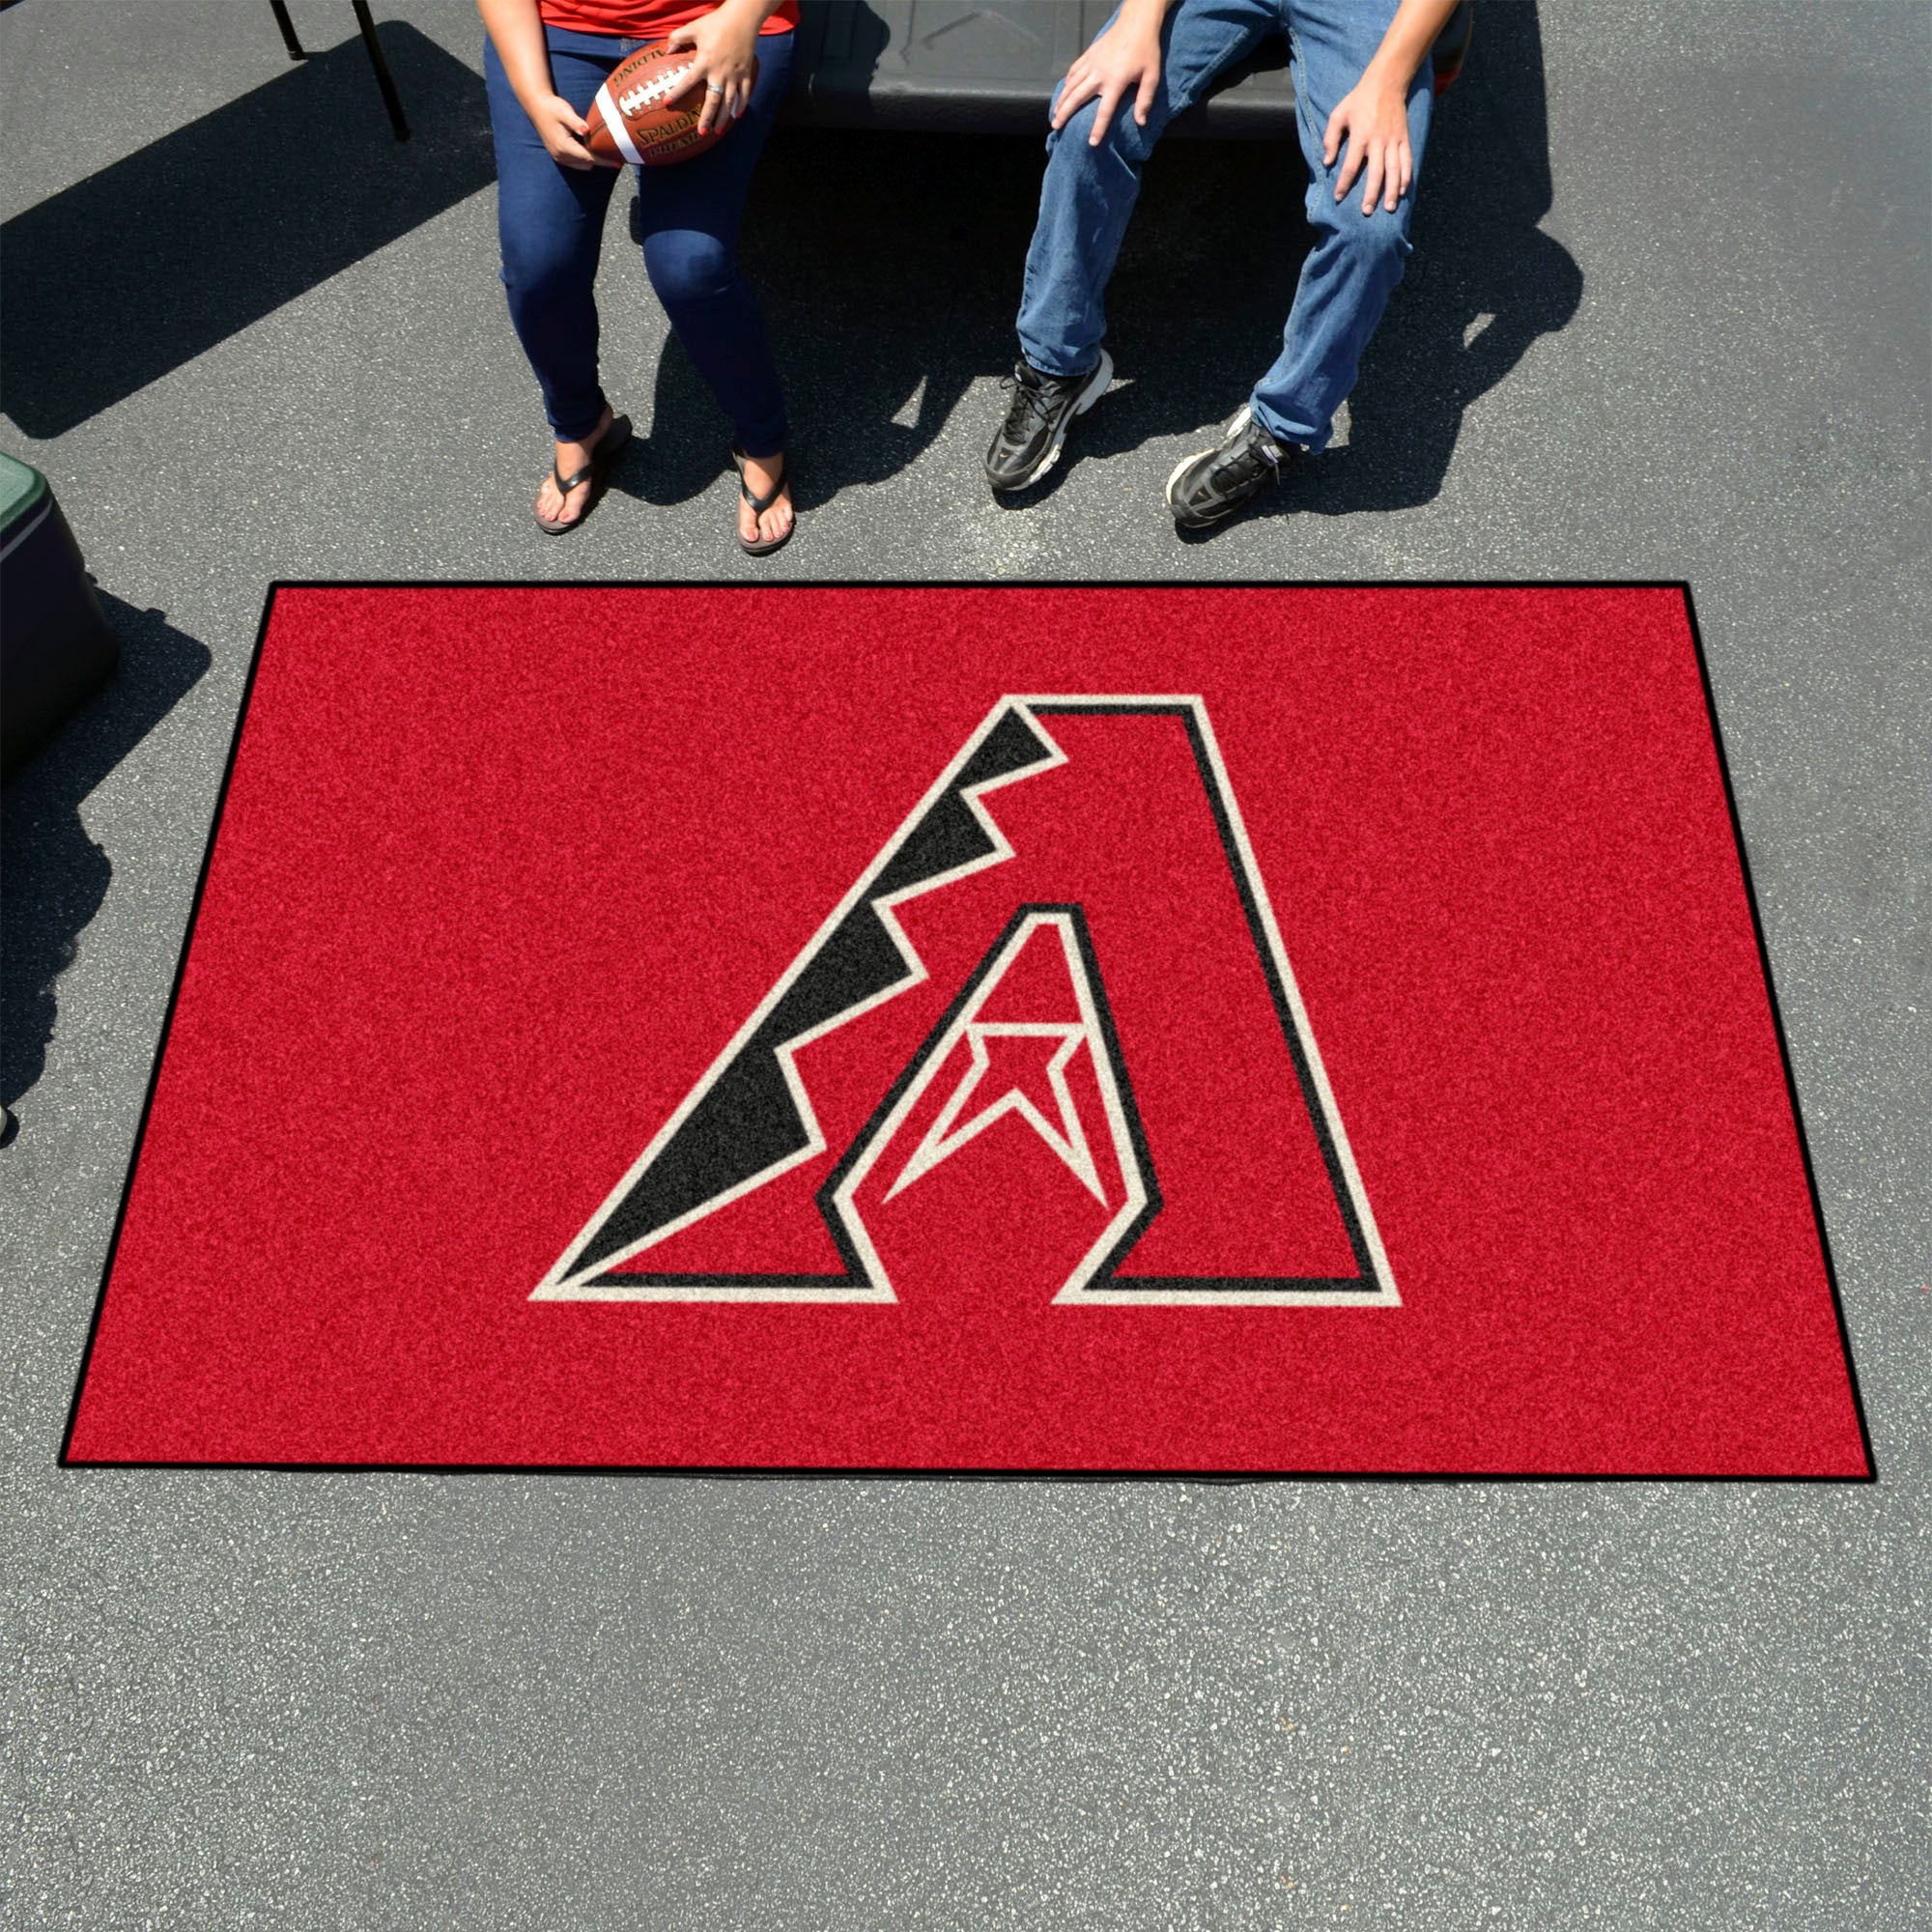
(1253, 1029)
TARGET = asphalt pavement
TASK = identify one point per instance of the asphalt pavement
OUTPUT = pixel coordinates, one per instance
(1670, 316)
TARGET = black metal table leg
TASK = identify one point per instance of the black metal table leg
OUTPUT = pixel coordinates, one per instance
(287, 27)
(391, 100)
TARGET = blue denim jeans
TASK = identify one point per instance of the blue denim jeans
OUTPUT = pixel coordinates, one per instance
(551, 223)
(1357, 258)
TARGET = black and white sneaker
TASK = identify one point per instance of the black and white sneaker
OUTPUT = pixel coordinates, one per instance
(1211, 482)
(1027, 444)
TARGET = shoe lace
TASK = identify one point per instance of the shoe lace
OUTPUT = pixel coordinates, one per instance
(1253, 454)
(1029, 399)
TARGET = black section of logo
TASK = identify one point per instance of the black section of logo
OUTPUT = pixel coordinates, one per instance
(746, 1120)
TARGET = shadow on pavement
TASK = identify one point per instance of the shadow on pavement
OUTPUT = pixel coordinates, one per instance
(53, 877)
(890, 268)
(124, 276)
(887, 265)
(884, 264)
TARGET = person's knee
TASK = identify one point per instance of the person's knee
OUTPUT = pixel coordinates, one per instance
(540, 267)
(686, 264)
(1073, 145)
(1374, 245)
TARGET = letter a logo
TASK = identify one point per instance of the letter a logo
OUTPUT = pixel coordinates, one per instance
(1049, 1043)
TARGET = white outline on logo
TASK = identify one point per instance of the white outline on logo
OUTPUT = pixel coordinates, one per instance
(937, 1144)
(565, 1283)
(1069, 1140)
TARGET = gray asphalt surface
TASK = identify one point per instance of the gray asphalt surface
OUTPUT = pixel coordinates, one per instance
(1670, 319)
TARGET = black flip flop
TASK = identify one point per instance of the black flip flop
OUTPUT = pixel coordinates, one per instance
(610, 445)
(763, 546)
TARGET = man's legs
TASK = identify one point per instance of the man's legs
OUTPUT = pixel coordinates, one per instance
(1357, 261)
(1085, 202)
(1357, 258)
(1089, 192)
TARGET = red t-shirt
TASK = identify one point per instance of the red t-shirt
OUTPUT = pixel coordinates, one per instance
(645, 20)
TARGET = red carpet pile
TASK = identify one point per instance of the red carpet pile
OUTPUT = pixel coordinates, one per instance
(994, 1029)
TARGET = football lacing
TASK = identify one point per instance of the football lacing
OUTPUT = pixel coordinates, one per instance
(652, 90)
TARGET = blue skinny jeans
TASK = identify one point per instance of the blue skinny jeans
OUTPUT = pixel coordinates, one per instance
(1355, 263)
(551, 223)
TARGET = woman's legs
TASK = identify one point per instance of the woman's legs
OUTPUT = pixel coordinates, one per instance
(549, 220)
(689, 214)
(550, 223)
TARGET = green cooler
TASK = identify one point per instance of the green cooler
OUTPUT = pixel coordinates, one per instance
(55, 646)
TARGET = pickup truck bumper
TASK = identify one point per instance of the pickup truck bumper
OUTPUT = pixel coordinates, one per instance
(951, 66)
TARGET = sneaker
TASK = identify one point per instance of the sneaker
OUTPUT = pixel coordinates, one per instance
(1207, 485)
(1037, 419)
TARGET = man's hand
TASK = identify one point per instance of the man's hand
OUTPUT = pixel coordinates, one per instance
(1372, 118)
(560, 127)
(723, 41)
(1125, 60)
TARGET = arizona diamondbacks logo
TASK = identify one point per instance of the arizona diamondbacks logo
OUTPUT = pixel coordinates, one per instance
(1051, 1036)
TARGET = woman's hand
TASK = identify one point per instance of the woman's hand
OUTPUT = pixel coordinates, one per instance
(560, 127)
(1372, 118)
(1125, 60)
(516, 30)
(723, 41)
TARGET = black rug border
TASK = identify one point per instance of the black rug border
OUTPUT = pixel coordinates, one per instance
(66, 1460)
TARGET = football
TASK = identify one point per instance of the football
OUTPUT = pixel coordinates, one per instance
(630, 121)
